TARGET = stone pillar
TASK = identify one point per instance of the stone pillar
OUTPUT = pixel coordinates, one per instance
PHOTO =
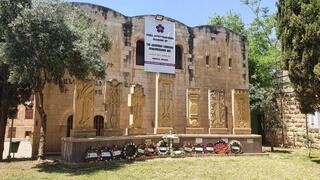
(217, 112)
(241, 111)
(164, 104)
(112, 102)
(136, 101)
(83, 109)
(193, 111)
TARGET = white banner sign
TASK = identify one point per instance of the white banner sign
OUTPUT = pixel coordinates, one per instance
(159, 39)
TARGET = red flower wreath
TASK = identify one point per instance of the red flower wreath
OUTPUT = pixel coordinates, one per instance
(151, 149)
(221, 147)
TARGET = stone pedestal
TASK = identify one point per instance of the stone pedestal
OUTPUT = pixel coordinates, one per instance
(241, 111)
(218, 131)
(191, 130)
(137, 131)
(242, 131)
(112, 132)
(163, 130)
(83, 133)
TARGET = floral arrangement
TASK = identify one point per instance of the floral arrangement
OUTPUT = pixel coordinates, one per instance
(141, 150)
(151, 149)
(235, 147)
(163, 147)
(92, 154)
(221, 147)
(130, 151)
(117, 152)
(209, 148)
(177, 151)
(188, 148)
(199, 148)
(105, 154)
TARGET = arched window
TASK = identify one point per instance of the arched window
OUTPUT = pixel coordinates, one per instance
(99, 125)
(207, 60)
(140, 53)
(69, 125)
(219, 62)
(178, 57)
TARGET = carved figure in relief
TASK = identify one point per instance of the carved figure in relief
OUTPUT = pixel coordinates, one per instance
(84, 102)
(112, 104)
(138, 100)
(217, 109)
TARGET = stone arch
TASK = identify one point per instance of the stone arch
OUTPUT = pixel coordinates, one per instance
(64, 117)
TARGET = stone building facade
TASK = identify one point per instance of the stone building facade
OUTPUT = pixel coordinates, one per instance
(211, 74)
(23, 124)
(295, 123)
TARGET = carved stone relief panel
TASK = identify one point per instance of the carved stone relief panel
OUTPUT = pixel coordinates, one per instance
(165, 112)
(112, 104)
(217, 110)
(136, 103)
(193, 107)
(241, 111)
(83, 104)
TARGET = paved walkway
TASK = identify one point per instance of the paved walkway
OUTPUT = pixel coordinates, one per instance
(24, 150)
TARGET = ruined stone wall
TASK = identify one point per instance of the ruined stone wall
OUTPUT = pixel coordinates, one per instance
(198, 44)
(294, 121)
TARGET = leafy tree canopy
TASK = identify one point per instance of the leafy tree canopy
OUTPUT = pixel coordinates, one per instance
(52, 38)
(299, 32)
(231, 21)
(48, 39)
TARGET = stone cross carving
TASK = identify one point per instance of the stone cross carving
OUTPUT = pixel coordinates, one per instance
(136, 103)
(112, 104)
(166, 101)
(83, 104)
(241, 111)
(193, 107)
(217, 116)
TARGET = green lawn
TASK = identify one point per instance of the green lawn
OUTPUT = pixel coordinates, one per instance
(284, 164)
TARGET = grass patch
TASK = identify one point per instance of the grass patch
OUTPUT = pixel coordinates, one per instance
(282, 164)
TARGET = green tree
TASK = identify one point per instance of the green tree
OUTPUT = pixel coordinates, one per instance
(11, 94)
(264, 62)
(47, 41)
(263, 58)
(298, 24)
(231, 20)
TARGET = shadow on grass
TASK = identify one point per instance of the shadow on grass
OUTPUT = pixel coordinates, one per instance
(16, 160)
(315, 161)
(79, 169)
(282, 151)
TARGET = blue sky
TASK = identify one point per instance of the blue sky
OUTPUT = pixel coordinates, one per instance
(190, 12)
